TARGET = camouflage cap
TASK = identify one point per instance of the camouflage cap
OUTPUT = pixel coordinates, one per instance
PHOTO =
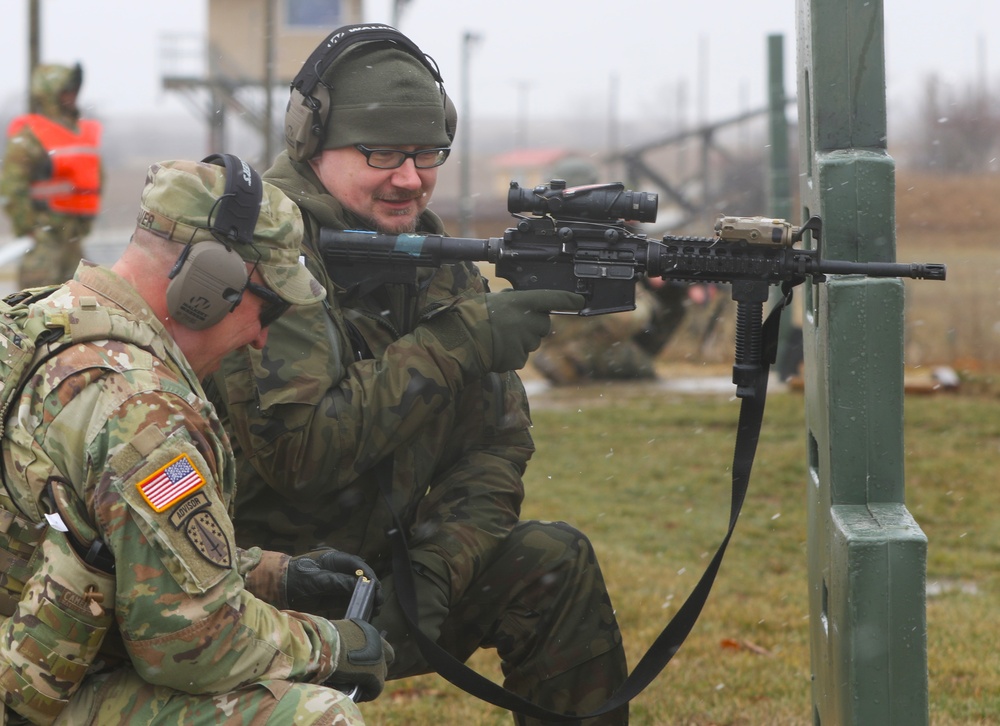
(179, 198)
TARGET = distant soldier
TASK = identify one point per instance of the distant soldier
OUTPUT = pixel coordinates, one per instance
(123, 596)
(618, 346)
(51, 177)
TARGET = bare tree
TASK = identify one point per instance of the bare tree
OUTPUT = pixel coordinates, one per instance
(958, 131)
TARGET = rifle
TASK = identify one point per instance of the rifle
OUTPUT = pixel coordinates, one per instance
(578, 239)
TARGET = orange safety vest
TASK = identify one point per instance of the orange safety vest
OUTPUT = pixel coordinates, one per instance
(75, 184)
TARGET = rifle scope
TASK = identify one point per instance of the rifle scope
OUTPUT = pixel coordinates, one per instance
(598, 202)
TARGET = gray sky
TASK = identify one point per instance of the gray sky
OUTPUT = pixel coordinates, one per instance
(535, 58)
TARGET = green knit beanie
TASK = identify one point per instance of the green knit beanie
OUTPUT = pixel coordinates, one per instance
(383, 96)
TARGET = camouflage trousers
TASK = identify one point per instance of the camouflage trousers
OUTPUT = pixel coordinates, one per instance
(566, 363)
(122, 697)
(54, 256)
(543, 605)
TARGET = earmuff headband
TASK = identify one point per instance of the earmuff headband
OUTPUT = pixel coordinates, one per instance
(239, 207)
(339, 40)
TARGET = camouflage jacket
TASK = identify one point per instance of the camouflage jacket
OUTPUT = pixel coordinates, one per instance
(126, 424)
(343, 389)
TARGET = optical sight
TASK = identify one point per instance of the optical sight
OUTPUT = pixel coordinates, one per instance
(596, 202)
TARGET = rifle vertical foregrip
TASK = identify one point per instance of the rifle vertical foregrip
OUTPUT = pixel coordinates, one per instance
(746, 369)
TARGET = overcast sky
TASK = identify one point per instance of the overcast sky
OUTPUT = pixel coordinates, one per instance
(534, 57)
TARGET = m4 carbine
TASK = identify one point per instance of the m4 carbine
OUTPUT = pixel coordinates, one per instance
(578, 239)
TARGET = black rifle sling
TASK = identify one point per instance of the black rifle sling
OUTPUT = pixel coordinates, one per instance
(670, 639)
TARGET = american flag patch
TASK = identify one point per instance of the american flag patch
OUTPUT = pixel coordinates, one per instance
(171, 483)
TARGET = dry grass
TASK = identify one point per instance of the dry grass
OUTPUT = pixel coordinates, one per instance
(646, 472)
(954, 220)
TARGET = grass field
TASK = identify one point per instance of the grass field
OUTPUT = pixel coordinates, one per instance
(645, 473)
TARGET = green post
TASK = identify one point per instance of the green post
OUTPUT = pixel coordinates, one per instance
(867, 555)
(779, 195)
(779, 200)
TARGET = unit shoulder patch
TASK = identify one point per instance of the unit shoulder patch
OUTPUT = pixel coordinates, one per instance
(209, 540)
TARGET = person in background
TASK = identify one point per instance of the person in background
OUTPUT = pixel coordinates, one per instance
(124, 596)
(400, 397)
(51, 178)
(617, 346)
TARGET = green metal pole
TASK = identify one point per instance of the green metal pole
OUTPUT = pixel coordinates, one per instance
(779, 196)
(34, 48)
(867, 555)
(779, 188)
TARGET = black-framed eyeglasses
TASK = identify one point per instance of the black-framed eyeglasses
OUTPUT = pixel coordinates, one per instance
(394, 158)
(274, 306)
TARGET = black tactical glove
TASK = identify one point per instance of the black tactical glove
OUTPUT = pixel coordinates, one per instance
(323, 581)
(362, 661)
(519, 319)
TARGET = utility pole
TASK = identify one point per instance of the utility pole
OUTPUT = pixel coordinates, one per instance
(268, 83)
(465, 178)
(34, 44)
(706, 136)
(397, 11)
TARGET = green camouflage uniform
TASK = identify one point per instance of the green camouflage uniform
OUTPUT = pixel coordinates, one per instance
(193, 638)
(617, 346)
(341, 389)
(57, 239)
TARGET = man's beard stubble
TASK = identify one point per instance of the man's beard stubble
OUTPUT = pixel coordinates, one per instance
(399, 224)
(408, 227)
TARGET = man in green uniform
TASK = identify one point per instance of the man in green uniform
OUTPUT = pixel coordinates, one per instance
(618, 346)
(51, 176)
(134, 604)
(407, 387)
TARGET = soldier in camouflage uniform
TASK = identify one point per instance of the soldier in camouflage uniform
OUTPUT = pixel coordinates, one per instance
(134, 605)
(617, 346)
(614, 347)
(411, 386)
(51, 177)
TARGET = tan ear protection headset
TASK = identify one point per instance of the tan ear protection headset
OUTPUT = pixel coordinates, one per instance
(308, 109)
(209, 277)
